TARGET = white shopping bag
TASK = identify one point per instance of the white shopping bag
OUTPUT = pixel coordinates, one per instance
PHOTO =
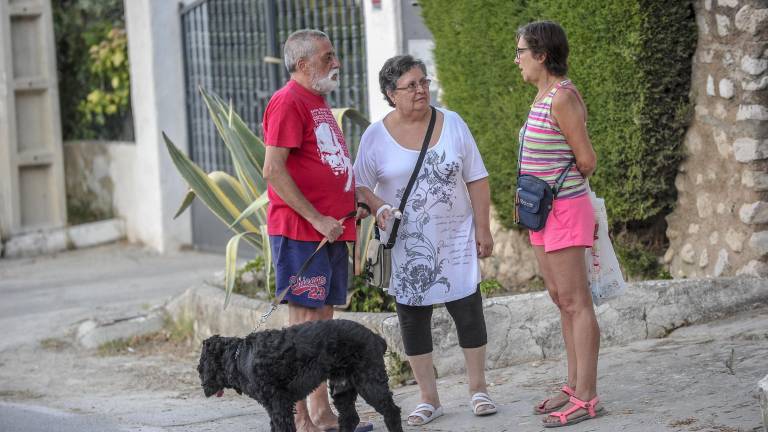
(603, 272)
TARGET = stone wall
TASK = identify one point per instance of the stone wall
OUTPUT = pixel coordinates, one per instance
(100, 179)
(719, 226)
(513, 263)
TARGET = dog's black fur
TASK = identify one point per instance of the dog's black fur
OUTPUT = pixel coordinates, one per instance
(280, 367)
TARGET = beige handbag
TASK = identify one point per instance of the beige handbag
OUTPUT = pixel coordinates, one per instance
(379, 261)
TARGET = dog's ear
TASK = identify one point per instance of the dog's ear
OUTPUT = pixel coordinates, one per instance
(211, 375)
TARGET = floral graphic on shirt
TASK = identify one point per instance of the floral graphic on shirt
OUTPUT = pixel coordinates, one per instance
(331, 147)
(433, 192)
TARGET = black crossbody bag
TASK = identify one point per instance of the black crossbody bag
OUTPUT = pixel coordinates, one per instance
(534, 196)
(379, 256)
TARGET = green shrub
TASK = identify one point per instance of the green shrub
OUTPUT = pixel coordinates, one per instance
(91, 58)
(368, 299)
(631, 59)
(249, 281)
(491, 287)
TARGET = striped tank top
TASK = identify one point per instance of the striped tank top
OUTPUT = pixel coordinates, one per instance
(545, 153)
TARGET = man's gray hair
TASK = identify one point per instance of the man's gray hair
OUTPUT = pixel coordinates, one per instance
(300, 44)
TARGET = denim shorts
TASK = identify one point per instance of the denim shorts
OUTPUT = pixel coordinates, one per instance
(325, 280)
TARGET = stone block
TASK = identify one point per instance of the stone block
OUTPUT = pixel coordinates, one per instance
(750, 20)
(723, 24)
(755, 85)
(754, 213)
(37, 243)
(752, 112)
(753, 66)
(688, 253)
(747, 150)
(703, 259)
(720, 111)
(735, 239)
(704, 206)
(702, 25)
(726, 88)
(762, 388)
(728, 3)
(714, 237)
(722, 264)
(706, 56)
(728, 59)
(755, 180)
(721, 208)
(721, 141)
(754, 268)
(92, 334)
(693, 140)
(759, 242)
(710, 86)
(96, 233)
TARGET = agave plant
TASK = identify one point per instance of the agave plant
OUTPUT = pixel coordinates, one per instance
(241, 202)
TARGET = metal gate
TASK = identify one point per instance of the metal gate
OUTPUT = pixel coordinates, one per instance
(233, 48)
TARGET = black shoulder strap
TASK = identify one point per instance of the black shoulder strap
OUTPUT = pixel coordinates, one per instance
(419, 162)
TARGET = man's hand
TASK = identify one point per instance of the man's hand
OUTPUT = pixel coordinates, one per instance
(363, 211)
(329, 227)
(484, 242)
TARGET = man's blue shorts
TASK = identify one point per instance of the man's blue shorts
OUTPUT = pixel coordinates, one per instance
(325, 280)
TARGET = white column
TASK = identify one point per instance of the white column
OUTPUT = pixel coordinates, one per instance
(383, 39)
(157, 97)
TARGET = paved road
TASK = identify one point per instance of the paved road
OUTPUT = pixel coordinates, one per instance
(31, 418)
(700, 378)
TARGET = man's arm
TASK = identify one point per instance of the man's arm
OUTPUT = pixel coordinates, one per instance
(277, 176)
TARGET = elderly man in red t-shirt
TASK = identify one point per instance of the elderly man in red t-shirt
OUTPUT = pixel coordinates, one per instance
(311, 187)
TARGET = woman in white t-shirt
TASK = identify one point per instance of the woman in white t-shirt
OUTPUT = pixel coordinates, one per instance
(444, 229)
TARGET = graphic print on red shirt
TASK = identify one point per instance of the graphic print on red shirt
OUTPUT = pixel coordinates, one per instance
(319, 162)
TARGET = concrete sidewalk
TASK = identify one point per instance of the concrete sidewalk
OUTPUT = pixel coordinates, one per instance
(698, 378)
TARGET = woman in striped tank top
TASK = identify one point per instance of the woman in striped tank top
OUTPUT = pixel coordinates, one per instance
(555, 134)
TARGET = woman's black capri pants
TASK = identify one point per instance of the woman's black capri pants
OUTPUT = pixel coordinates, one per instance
(467, 314)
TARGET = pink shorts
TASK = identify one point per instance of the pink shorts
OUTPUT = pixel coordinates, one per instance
(570, 223)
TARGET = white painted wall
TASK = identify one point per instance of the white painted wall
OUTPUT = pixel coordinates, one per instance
(122, 171)
(157, 97)
(383, 40)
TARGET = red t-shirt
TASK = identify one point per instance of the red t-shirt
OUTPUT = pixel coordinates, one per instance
(319, 162)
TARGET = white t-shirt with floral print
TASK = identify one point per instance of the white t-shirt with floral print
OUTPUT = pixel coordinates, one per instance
(435, 257)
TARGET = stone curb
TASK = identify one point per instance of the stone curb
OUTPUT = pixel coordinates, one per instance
(521, 328)
(59, 239)
(93, 333)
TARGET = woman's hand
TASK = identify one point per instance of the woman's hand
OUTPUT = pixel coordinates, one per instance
(484, 241)
(384, 213)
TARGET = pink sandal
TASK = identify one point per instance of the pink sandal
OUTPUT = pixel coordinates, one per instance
(592, 412)
(542, 407)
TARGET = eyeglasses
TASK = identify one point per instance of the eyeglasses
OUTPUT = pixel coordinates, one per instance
(520, 50)
(413, 86)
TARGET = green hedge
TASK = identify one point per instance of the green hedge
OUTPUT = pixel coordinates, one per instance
(630, 58)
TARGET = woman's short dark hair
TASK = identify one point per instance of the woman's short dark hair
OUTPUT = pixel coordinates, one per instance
(548, 38)
(393, 69)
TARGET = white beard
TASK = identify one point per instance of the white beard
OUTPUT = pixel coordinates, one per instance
(326, 84)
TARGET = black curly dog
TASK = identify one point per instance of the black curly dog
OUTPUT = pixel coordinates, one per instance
(280, 367)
